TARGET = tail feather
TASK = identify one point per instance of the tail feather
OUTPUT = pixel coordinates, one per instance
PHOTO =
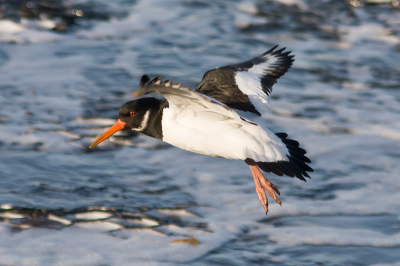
(295, 167)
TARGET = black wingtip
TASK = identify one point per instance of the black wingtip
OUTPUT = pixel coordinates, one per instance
(272, 49)
(280, 51)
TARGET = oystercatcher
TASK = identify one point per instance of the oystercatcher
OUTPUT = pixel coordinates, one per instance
(204, 121)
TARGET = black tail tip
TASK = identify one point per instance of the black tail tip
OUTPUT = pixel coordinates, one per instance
(297, 160)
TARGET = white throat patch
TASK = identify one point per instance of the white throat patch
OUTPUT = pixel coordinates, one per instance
(144, 121)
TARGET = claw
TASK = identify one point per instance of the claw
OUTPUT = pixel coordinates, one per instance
(269, 187)
(275, 188)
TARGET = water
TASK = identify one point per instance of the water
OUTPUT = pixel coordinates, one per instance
(125, 202)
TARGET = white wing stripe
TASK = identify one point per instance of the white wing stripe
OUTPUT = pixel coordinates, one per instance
(262, 68)
(250, 84)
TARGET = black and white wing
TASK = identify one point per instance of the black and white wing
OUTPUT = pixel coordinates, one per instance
(246, 86)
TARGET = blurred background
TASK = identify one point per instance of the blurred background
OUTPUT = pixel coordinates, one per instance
(67, 66)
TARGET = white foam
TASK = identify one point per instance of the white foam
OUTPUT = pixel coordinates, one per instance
(67, 134)
(11, 215)
(378, 1)
(97, 226)
(46, 24)
(5, 206)
(298, 3)
(94, 215)
(28, 31)
(31, 36)
(145, 222)
(184, 231)
(294, 236)
(162, 213)
(247, 17)
(353, 35)
(91, 246)
(59, 219)
(8, 26)
(80, 121)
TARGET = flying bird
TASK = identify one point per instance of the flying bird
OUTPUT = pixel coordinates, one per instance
(205, 121)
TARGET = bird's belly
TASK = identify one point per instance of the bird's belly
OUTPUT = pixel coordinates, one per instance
(218, 136)
(214, 138)
(208, 144)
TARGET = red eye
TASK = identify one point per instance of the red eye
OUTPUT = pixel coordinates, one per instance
(132, 113)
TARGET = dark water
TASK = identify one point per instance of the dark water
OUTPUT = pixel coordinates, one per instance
(64, 74)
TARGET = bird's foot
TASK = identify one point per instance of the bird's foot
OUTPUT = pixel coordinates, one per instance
(262, 185)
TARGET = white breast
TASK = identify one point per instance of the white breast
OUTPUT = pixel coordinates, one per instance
(214, 134)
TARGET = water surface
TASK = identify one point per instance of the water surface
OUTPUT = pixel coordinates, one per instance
(127, 201)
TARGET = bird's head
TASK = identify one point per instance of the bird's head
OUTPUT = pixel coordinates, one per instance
(131, 115)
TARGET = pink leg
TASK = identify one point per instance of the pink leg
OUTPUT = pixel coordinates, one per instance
(263, 184)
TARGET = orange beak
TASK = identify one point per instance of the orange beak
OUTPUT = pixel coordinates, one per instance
(116, 127)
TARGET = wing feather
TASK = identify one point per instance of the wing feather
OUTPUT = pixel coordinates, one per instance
(246, 86)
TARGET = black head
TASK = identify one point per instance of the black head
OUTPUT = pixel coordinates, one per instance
(136, 114)
(140, 115)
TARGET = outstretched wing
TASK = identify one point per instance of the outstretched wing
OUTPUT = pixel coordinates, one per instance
(181, 98)
(246, 86)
